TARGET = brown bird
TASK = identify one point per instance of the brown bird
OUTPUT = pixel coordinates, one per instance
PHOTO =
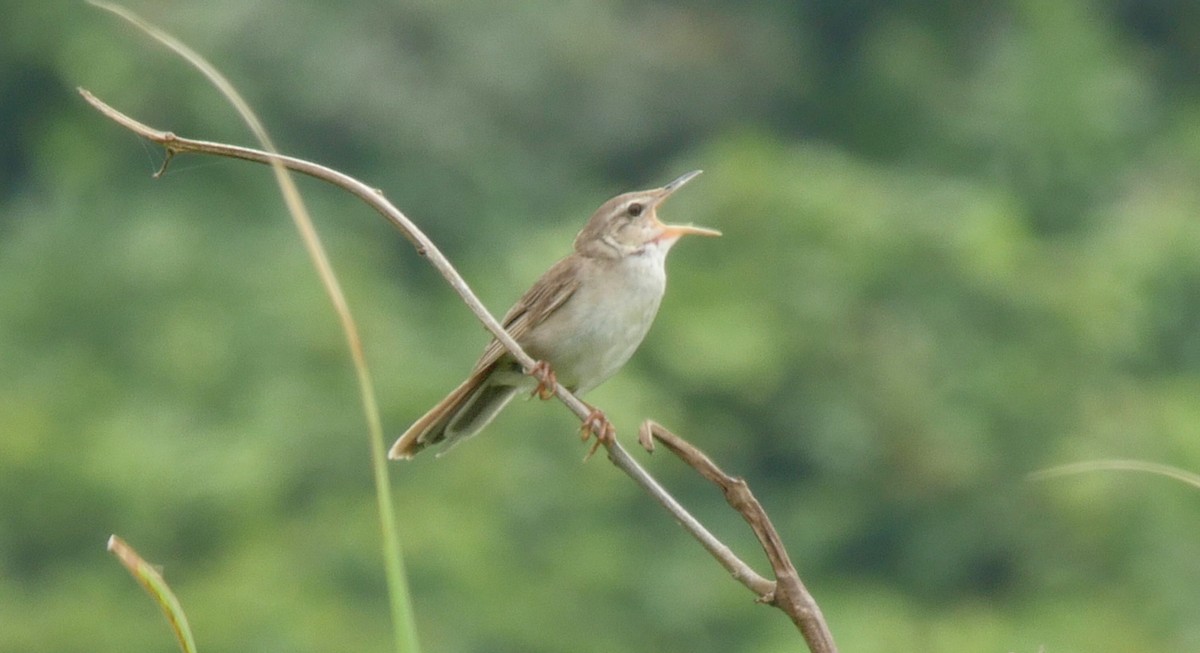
(582, 320)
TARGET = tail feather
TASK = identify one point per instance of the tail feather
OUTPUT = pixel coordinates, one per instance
(476, 413)
(463, 413)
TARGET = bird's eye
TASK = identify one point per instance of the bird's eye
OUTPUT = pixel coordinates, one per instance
(635, 209)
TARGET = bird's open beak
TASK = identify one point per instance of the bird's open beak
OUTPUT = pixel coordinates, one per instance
(678, 230)
(672, 231)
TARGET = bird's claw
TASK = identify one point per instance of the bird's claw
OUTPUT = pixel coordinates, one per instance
(545, 378)
(597, 424)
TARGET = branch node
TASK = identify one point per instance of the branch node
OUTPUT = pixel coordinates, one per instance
(646, 435)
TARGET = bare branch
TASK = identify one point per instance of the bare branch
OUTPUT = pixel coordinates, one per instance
(786, 591)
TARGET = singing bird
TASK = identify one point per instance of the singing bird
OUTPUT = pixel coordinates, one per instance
(582, 320)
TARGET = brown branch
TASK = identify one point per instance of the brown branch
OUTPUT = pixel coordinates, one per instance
(787, 592)
(373, 197)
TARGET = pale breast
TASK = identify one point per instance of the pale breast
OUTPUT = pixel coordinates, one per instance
(596, 332)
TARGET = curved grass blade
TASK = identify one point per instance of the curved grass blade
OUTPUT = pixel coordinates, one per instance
(152, 581)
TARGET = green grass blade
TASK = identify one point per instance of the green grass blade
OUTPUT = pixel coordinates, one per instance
(148, 577)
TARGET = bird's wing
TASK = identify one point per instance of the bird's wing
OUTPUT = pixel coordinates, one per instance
(546, 296)
(481, 393)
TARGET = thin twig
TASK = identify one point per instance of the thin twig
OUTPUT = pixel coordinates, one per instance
(374, 198)
(787, 592)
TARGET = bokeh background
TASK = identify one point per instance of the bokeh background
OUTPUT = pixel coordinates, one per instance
(962, 243)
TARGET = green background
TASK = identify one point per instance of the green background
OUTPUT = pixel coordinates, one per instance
(962, 243)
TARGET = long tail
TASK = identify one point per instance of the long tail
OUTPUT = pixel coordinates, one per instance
(463, 413)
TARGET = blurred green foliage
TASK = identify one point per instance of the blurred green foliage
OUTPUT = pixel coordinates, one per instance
(961, 245)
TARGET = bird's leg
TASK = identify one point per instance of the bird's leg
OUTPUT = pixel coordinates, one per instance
(597, 424)
(545, 378)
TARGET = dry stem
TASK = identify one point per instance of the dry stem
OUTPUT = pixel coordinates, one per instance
(786, 593)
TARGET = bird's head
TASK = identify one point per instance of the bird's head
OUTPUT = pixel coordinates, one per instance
(628, 224)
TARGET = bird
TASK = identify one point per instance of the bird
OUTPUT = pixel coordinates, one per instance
(581, 321)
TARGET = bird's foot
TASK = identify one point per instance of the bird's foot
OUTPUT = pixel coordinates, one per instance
(545, 378)
(597, 424)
